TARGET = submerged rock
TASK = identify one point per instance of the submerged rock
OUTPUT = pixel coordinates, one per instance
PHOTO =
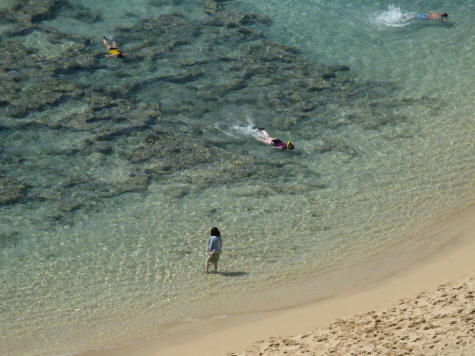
(33, 11)
(28, 11)
(11, 190)
(211, 6)
(141, 110)
(9, 239)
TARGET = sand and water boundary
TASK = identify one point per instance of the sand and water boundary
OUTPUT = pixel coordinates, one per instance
(452, 260)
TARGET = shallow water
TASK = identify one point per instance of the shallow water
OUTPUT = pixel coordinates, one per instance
(113, 171)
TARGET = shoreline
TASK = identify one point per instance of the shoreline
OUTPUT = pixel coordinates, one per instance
(450, 261)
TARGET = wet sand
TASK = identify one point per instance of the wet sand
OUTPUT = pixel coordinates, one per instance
(426, 308)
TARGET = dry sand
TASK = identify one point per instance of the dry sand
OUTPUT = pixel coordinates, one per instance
(440, 322)
(427, 308)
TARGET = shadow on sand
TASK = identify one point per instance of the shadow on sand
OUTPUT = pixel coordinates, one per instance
(232, 274)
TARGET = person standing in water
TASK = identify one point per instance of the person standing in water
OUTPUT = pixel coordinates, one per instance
(274, 142)
(114, 52)
(214, 249)
(432, 16)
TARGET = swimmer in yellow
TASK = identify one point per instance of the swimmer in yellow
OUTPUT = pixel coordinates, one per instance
(114, 52)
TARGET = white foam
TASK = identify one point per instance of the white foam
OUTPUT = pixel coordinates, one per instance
(393, 17)
(246, 129)
(240, 128)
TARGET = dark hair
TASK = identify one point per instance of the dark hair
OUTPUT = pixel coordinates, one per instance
(444, 15)
(215, 232)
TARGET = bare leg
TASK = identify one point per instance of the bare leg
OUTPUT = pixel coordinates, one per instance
(106, 43)
(265, 134)
(216, 267)
(207, 266)
(266, 138)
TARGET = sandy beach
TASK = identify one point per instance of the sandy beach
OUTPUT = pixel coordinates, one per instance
(440, 322)
(427, 308)
(113, 171)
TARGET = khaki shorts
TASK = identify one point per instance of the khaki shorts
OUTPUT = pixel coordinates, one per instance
(213, 258)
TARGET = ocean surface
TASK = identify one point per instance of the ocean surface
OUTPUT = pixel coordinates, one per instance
(113, 171)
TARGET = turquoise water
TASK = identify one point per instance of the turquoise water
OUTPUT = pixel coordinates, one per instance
(113, 171)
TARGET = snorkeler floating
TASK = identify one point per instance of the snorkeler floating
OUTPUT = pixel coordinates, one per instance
(432, 16)
(112, 48)
(275, 142)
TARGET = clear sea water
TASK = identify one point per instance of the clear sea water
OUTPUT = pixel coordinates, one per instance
(82, 268)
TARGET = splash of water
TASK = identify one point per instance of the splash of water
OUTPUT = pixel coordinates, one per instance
(247, 128)
(393, 17)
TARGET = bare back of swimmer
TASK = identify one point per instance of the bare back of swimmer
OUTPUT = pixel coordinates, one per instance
(274, 142)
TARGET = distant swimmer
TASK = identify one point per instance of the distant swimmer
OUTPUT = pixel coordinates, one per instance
(214, 248)
(113, 50)
(274, 142)
(432, 16)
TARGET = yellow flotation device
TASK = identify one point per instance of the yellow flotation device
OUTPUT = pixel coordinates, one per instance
(114, 51)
